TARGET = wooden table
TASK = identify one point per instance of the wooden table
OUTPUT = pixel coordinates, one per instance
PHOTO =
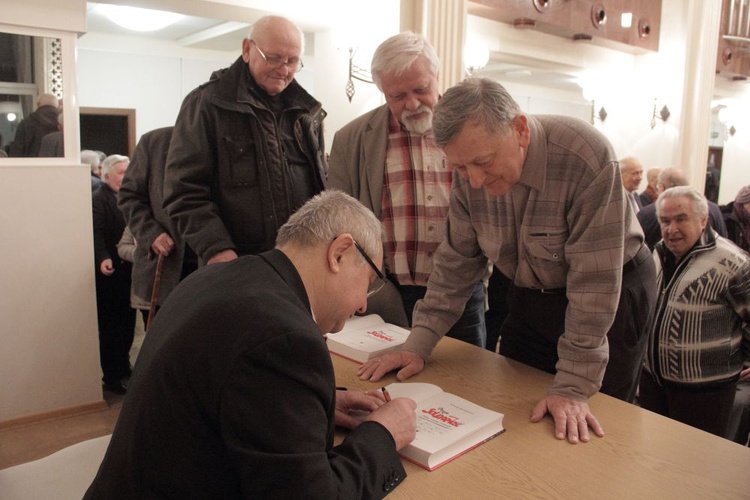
(642, 455)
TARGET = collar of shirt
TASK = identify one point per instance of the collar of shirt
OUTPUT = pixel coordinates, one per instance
(535, 165)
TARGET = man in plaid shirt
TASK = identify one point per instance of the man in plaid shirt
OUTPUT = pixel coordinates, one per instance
(388, 159)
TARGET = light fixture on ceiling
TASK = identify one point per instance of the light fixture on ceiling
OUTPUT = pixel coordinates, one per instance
(137, 19)
(626, 20)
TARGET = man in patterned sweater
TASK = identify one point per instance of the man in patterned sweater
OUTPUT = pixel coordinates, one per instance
(701, 332)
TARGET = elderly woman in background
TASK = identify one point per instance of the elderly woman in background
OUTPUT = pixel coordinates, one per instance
(116, 318)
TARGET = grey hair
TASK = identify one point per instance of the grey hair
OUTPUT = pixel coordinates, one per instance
(263, 24)
(90, 158)
(48, 100)
(697, 201)
(111, 161)
(397, 54)
(672, 176)
(626, 164)
(326, 216)
(474, 99)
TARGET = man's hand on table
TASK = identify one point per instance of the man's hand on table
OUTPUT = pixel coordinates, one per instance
(572, 418)
(409, 362)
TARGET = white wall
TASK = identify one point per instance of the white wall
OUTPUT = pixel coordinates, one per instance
(735, 170)
(49, 357)
(146, 75)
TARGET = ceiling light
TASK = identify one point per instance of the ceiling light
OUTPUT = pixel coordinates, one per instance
(137, 19)
(626, 20)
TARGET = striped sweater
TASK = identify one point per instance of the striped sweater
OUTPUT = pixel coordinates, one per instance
(701, 330)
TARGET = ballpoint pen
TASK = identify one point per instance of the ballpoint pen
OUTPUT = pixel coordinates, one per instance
(385, 393)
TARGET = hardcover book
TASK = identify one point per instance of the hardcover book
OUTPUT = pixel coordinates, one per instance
(365, 337)
(447, 425)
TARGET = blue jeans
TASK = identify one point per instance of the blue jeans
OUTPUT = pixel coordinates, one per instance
(470, 327)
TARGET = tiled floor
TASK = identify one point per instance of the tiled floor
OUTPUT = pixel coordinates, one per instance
(33, 441)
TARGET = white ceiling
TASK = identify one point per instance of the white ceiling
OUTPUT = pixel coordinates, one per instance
(220, 34)
(189, 31)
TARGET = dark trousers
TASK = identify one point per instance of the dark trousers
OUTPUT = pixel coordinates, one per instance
(536, 320)
(706, 409)
(497, 300)
(470, 327)
(116, 324)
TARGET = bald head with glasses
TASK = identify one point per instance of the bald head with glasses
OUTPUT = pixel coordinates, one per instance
(273, 51)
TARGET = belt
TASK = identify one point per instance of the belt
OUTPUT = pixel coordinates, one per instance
(643, 254)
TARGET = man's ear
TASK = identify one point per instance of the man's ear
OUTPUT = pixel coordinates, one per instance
(336, 250)
(246, 49)
(521, 128)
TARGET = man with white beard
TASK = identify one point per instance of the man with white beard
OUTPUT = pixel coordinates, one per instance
(388, 159)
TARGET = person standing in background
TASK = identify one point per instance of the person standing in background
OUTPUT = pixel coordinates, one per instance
(247, 148)
(631, 171)
(140, 199)
(116, 317)
(736, 215)
(91, 158)
(33, 128)
(649, 195)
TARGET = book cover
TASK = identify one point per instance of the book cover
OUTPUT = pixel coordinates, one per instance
(447, 425)
(366, 337)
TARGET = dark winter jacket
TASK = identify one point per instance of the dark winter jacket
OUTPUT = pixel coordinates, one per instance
(235, 168)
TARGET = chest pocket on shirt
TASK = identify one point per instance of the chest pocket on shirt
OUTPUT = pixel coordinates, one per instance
(241, 162)
(546, 254)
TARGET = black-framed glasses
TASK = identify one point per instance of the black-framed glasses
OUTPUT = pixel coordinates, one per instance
(379, 283)
(295, 64)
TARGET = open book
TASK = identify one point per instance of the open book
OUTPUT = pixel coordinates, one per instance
(447, 426)
(365, 337)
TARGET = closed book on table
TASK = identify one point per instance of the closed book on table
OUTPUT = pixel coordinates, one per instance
(366, 337)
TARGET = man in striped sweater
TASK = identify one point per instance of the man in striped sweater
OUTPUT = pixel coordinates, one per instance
(701, 331)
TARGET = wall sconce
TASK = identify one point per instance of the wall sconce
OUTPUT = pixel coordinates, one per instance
(356, 73)
(727, 117)
(663, 115)
(590, 84)
(601, 114)
(476, 56)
